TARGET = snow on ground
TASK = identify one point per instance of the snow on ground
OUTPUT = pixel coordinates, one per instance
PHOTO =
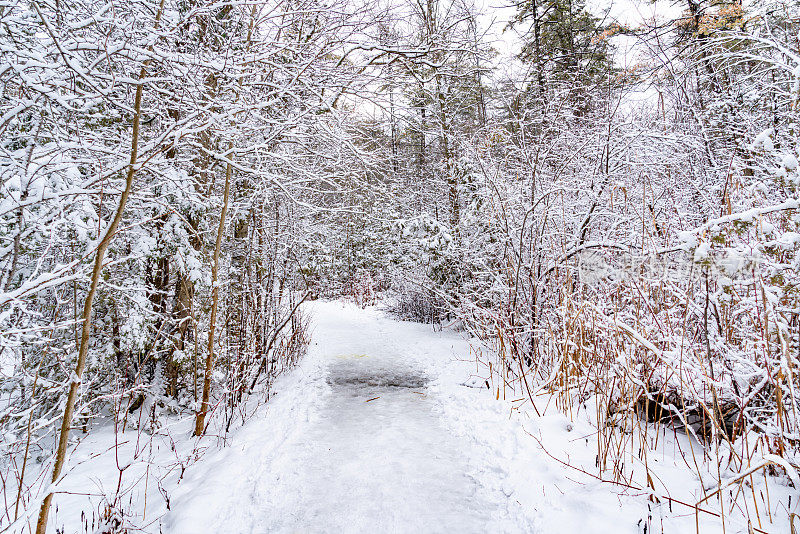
(368, 447)
(385, 426)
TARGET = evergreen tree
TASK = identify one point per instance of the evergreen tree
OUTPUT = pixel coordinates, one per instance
(568, 48)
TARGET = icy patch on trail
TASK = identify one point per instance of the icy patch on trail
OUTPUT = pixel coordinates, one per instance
(353, 375)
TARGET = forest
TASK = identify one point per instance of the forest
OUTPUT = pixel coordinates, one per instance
(602, 198)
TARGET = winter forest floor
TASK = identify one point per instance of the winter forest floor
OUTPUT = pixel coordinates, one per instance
(385, 426)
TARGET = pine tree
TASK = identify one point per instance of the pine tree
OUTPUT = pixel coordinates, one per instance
(568, 47)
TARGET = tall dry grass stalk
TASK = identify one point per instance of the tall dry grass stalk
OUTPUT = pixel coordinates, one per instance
(656, 359)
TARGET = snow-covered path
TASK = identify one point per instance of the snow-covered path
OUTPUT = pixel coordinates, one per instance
(377, 431)
(358, 439)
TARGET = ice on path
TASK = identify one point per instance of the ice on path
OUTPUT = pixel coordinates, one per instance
(354, 442)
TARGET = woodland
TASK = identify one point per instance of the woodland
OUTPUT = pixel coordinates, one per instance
(607, 206)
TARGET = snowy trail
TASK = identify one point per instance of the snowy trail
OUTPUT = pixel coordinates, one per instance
(375, 432)
(357, 440)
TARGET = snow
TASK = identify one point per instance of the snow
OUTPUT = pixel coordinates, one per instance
(389, 426)
(358, 441)
(789, 239)
(763, 140)
(701, 252)
(789, 162)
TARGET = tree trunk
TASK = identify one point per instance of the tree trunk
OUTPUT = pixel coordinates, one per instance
(69, 409)
(199, 427)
